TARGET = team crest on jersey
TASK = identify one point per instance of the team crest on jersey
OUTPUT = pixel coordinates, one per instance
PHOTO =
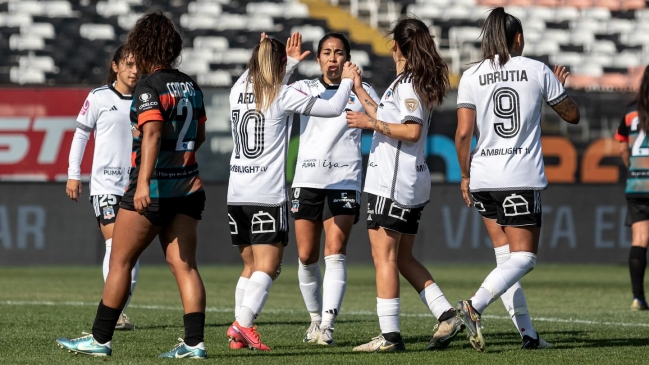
(352, 99)
(388, 94)
(109, 212)
(411, 104)
(295, 206)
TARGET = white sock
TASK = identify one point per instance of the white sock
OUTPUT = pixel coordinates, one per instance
(238, 294)
(435, 300)
(254, 298)
(502, 278)
(334, 285)
(310, 279)
(388, 311)
(514, 299)
(134, 272)
(106, 264)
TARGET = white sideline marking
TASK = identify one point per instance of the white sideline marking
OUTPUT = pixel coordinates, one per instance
(289, 311)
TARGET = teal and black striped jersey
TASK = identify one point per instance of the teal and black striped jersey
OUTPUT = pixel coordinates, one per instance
(637, 180)
(172, 98)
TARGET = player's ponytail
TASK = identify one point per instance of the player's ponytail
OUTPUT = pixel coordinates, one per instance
(428, 70)
(643, 101)
(118, 56)
(498, 34)
(266, 68)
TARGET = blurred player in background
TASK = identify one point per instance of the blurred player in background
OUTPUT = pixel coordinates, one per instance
(106, 110)
(165, 196)
(634, 147)
(398, 182)
(501, 96)
(262, 109)
(326, 191)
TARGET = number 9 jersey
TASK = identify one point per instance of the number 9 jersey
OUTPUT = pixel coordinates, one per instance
(508, 101)
(173, 98)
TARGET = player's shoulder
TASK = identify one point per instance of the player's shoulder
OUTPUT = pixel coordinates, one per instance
(533, 64)
(99, 90)
(367, 86)
(631, 107)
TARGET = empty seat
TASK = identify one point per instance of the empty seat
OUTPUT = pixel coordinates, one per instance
(587, 24)
(216, 78)
(558, 35)
(538, 12)
(582, 37)
(620, 26)
(97, 31)
(360, 58)
(211, 43)
(603, 46)
(206, 55)
(112, 8)
(425, 11)
(15, 20)
(231, 21)
(435, 3)
(265, 8)
(519, 12)
(127, 21)
(566, 13)
(194, 66)
(26, 76)
(542, 47)
(309, 68)
(311, 33)
(43, 30)
(602, 59)
(30, 7)
(260, 23)
(200, 21)
(296, 10)
(459, 35)
(234, 56)
(588, 69)
(205, 8)
(566, 58)
(626, 59)
(42, 63)
(58, 9)
(21, 42)
(456, 12)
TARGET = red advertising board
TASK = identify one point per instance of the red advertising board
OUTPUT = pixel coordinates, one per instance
(36, 129)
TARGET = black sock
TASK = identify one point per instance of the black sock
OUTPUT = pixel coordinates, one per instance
(447, 315)
(105, 321)
(393, 337)
(637, 266)
(194, 328)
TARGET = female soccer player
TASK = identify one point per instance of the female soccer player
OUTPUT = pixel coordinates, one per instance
(398, 182)
(106, 110)
(165, 196)
(262, 109)
(326, 191)
(504, 174)
(634, 148)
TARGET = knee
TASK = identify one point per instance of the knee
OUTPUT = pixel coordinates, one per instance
(309, 257)
(404, 262)
(177, 265)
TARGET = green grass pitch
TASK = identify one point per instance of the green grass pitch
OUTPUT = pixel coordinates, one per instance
(583, 310)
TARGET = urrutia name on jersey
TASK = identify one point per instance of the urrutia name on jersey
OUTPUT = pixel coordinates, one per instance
(498, 76)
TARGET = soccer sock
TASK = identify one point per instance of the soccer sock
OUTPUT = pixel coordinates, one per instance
(134, 273)
(637, 266)
(435, 300)
(334, 284)
(310, 279)
(238, 294)
(254, 298)
(514, 299)
(388, 311)
(105, 321)
(194, 328)
(106, 266)
(502, 278)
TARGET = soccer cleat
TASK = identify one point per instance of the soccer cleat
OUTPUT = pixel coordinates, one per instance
(85, 345)
(326, 336)
(530, 343)
(639, 305)
(248, 336)
(123, 323)
(445, 333)
(543, 344)
(380, 344)
(234, 344)
(182, 351)
(471, 320)
(312, 333)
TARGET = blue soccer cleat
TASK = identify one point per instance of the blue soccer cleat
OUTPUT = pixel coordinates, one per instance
(85, 345)
(182, 351)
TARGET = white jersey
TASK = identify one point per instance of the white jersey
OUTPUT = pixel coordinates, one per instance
(397, 169)
(329, 156)
(258, 162)
(508, 103)
(108, 113)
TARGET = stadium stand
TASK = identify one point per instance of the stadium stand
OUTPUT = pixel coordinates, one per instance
(62, 42)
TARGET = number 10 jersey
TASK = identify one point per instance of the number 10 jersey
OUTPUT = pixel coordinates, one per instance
(508, 101)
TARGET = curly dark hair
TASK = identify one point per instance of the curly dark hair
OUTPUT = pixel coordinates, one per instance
(155, 42)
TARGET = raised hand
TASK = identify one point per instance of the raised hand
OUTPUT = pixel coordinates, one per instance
(294, 47)
(263, 36)
(561, 73)
(349, 71)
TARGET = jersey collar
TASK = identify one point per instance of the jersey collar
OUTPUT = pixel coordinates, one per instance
(121, 96)
(328, 86)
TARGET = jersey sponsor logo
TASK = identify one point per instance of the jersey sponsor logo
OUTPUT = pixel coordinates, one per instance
(370, 211)
(372, 164)
(411, 104)
(344, 198)
(150, 104)
(505, 151)
(348, 205)
(113, 109)
(331, 164)
(248, 169)
(145, 97)
(84, 108)
(262, 222)
(112, 171)
(309, 163)
(498, 76)
(514, 205)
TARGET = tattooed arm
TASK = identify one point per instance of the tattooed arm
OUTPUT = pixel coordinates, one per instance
(366, 100)
(568, 110)
(408, 131)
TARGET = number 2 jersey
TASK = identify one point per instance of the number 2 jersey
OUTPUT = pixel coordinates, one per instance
(173, 98)
(330, 152)
(508, 104)
(637, 179)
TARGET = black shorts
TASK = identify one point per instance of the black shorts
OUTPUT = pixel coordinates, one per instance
(637, 210)
(106, 207)
(383, 212)
(322, 204)
(163, 210)
(510, 208)
(256, 224)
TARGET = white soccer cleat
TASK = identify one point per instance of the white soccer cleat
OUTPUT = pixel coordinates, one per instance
(313, 333)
